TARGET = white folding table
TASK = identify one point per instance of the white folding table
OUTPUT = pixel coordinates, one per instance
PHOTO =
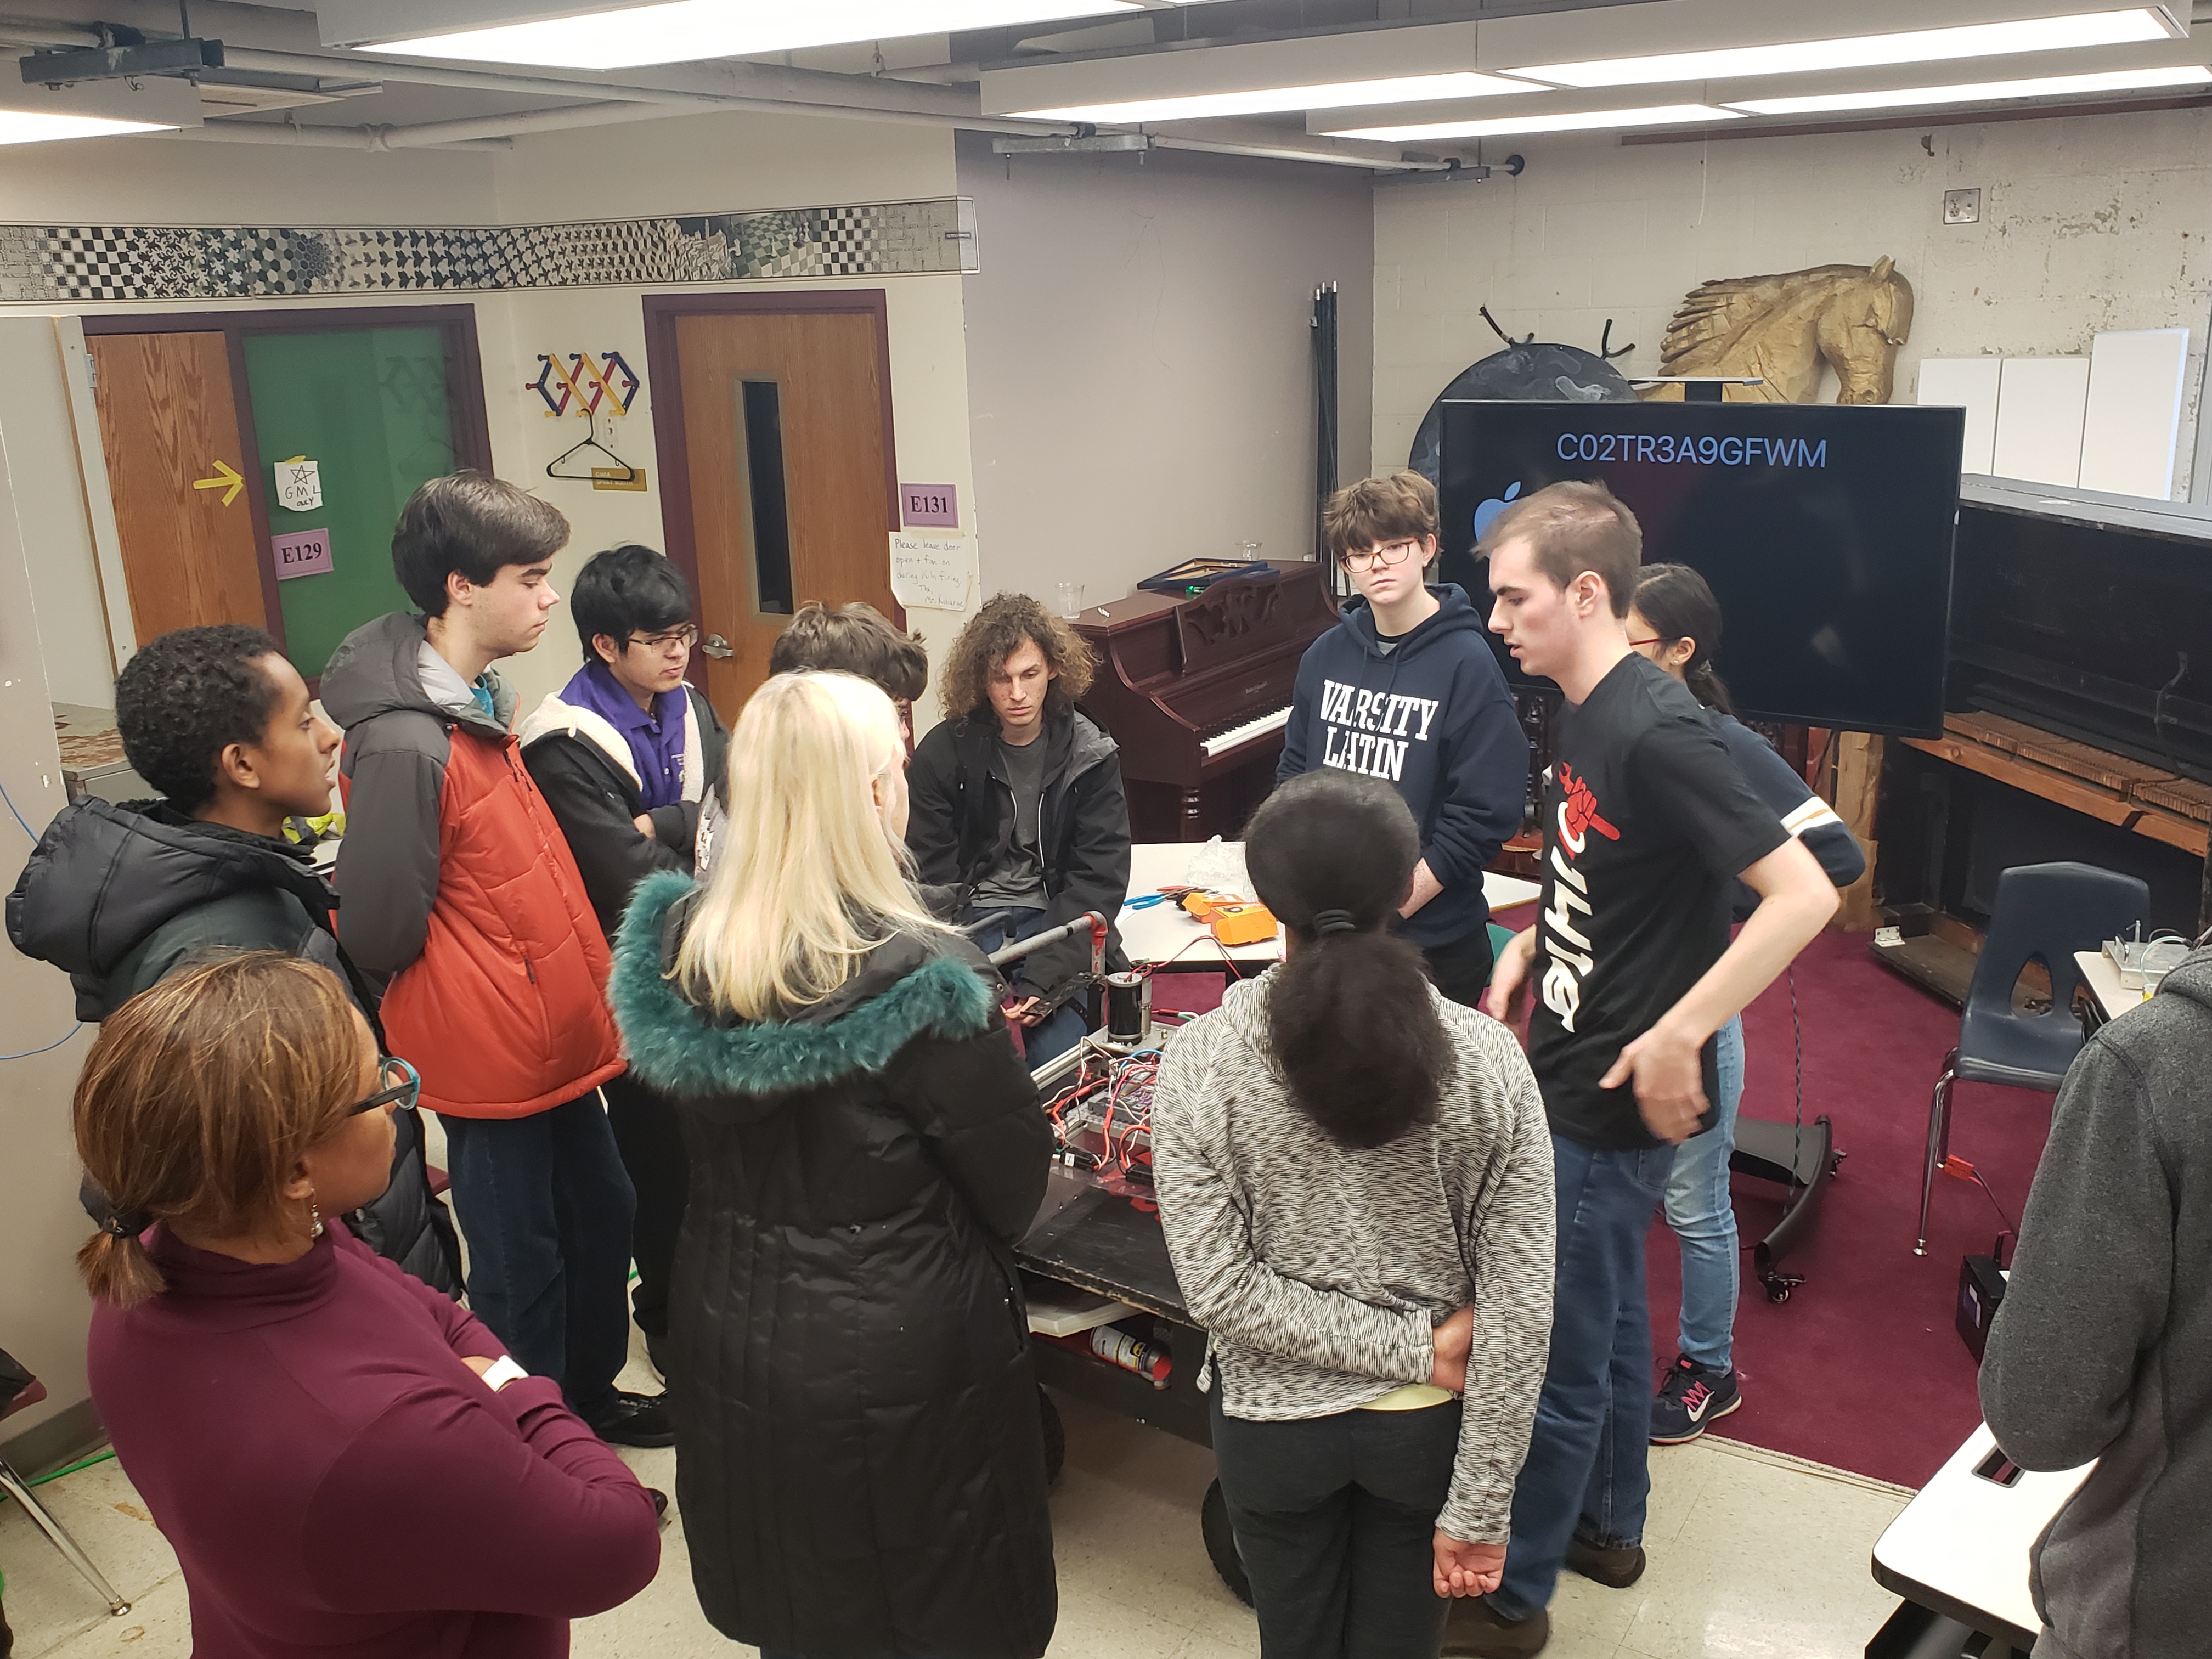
(1959, 1549)
(1166, 935)
(2112, 998)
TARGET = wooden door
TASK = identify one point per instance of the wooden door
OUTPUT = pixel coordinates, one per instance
(786, 434)
(176, 463)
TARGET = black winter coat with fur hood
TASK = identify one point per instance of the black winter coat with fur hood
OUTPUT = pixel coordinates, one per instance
(859, 1457)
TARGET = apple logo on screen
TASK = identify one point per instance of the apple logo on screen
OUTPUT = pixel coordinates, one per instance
(1490, 508)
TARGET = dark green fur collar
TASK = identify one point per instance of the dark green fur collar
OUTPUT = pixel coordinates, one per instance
(676, 1048)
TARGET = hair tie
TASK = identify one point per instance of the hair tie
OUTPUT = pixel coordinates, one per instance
(1326, 922)
(119, 1225)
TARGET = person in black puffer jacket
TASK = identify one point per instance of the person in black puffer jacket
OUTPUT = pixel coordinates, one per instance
(859, 1455)
(120, 897)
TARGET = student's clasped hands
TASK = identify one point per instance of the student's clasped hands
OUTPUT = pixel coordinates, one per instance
(1461, 1568)
(1464, 1569)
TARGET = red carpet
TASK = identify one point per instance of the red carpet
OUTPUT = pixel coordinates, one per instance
(1861, 1368)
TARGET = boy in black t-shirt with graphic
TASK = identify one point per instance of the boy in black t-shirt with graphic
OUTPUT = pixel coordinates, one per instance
(1647, 824)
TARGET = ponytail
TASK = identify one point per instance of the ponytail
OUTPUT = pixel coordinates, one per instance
(116, 1268)
(1351, 1022)
(1707, 686)
(1680, 606)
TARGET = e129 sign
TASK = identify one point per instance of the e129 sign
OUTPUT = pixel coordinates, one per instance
(300, 553)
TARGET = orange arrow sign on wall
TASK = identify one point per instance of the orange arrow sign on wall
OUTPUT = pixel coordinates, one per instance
(227, 479)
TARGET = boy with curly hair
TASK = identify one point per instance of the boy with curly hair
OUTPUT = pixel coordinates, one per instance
(1016, 796)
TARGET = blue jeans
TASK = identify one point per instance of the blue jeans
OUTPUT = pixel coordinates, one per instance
(1703, 1216)
(1586, 1471)
(1063, 1028)
(545, 1206)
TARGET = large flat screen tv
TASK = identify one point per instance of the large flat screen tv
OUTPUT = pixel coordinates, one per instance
(1824, 530)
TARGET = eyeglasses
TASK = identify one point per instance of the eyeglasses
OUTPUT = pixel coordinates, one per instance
(687, 636)
(1635, 645)
(401, 1085)
(1388, 553)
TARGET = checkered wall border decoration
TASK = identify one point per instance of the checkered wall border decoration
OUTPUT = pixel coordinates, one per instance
(44, 263)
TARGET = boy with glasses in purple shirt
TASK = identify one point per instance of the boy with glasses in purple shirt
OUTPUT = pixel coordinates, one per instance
(626, 754)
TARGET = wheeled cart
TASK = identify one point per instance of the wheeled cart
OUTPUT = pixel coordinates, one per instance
(1098, 1239)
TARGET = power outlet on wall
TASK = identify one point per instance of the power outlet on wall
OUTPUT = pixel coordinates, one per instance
(1962, 207)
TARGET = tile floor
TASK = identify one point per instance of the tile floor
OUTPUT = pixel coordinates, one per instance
(1754, 1556)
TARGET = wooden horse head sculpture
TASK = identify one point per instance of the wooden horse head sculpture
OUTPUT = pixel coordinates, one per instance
(1781, 328)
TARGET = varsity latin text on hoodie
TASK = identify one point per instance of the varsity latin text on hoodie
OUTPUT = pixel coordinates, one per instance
(1429, 712)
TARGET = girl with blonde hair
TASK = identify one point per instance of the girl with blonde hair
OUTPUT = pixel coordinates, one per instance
(858, 1453)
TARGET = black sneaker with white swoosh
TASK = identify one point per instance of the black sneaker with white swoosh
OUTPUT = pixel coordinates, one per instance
(1692, 1397)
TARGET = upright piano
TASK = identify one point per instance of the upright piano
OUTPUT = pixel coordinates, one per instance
(1197, 692)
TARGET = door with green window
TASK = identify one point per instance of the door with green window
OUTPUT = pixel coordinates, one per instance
(372, 409)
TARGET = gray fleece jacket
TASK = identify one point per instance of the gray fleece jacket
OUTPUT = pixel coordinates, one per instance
(2102, 1347)
(1320, 1271)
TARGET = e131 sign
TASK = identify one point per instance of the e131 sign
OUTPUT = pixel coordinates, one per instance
(929, 504)
(300, 553)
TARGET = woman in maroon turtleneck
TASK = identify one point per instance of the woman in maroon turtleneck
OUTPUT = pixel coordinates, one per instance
(346, 1464)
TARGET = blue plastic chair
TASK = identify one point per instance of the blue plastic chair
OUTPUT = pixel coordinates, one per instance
(2044, 913)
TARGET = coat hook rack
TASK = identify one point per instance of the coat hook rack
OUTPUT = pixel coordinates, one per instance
(590, 444)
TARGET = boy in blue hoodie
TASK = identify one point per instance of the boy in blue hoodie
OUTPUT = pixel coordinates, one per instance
(1406, 687)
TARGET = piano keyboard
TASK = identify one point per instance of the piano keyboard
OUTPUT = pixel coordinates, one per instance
(1222, 742)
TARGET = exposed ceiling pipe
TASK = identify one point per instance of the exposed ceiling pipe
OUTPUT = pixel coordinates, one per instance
(488, 131)
(841, 92)
(644, 102)
(1286, 153)
(320, 138)
(427, 134)
(29, 32)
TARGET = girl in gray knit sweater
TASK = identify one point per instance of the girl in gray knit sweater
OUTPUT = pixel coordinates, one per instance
(1355, 1178)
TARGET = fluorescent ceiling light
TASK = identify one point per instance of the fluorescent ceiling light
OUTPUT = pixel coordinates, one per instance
(37, 127)
(2049, 85)
(1581, 120)
(683, 31)
(1340, 95)
(2094, 28)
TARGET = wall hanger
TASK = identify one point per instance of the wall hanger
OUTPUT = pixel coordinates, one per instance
(592, 474)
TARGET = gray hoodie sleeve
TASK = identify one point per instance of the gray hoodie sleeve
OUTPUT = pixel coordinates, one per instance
(1229, 1290)
(1511, 1260)
(387, 869)
(2093, 1275)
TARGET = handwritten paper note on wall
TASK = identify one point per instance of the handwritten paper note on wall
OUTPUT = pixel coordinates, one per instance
(932, 572)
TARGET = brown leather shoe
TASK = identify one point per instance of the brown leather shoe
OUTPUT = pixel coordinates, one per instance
(1478, 1631)
(1614, 1565)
